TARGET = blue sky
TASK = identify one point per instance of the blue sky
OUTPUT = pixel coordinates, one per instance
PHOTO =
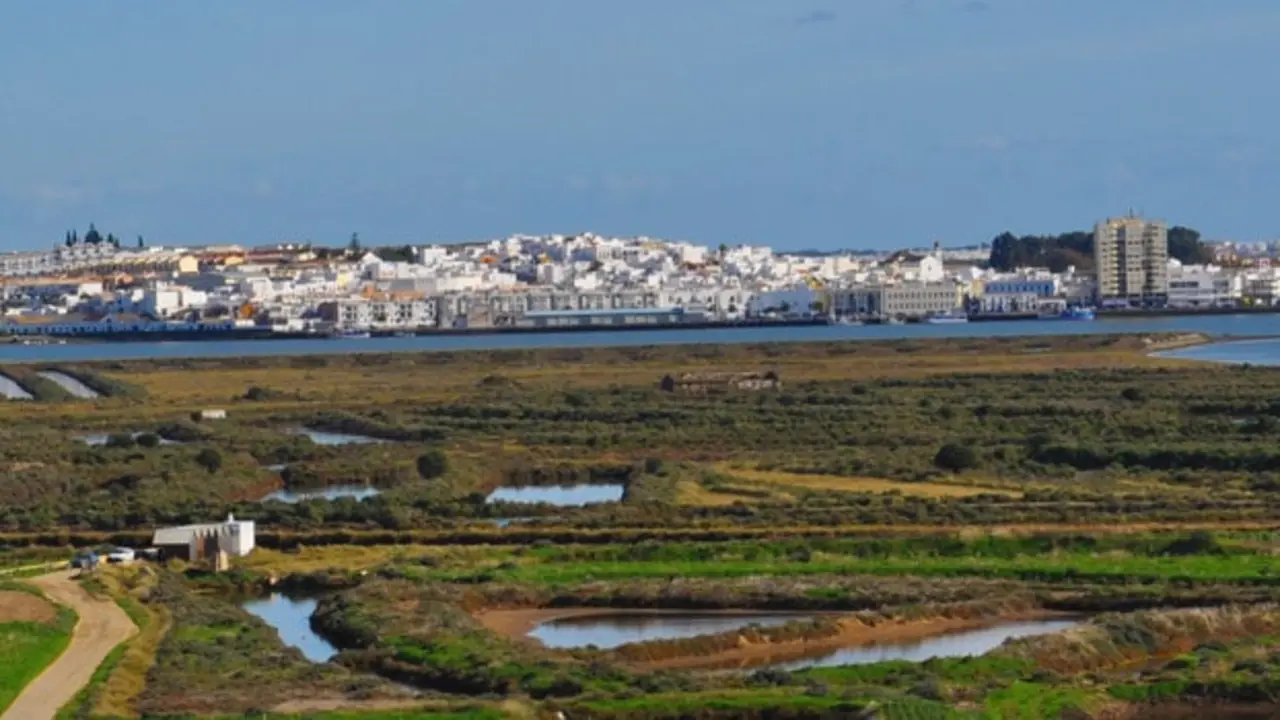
(845, 123)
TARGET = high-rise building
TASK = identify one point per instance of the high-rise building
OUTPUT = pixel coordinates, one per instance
(1131, 255)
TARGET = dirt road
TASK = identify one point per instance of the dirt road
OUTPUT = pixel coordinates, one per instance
(102, 626)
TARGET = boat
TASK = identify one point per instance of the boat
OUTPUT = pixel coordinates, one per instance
(952, 318)
(353, 334)
(1077, 313)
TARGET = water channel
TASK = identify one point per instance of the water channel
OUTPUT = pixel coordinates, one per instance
(97, 439)
(335, 492)
(559, 495)
(291, 618)
(620, 628)
(70, 384)
(321, 437)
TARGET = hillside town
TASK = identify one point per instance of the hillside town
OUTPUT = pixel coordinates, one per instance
(98, 285)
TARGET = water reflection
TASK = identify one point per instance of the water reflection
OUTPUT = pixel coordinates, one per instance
(961, 644)
(335, 492)
(614, 629)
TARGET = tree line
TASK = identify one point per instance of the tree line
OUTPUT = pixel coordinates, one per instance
(1058, 252)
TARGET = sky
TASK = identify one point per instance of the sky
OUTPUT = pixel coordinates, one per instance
(791, 123)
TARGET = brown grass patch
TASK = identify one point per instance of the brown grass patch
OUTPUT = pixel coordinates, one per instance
(689, 492)
(837, 483)
(17, 606)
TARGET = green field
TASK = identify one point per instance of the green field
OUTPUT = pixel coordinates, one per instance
(26, 648)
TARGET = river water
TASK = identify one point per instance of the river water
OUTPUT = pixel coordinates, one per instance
(1237, 325)
(1253, 352)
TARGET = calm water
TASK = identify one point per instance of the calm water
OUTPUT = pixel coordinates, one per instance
(356, 492)
(962, 644)
(12, 390)
(102, 438)
(1253, 352)
(615, 629)
(561, 495)
(1254, 324)
(70, 384)
(292, 619)
(321, 437)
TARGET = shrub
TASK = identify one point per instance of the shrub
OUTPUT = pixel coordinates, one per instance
(148, 440)
(209, 459)
(432, 464)
(956, 458)
(1133, 394)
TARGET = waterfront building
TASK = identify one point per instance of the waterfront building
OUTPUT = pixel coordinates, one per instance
(1131, 257)
(905, 300)
(1194, 286)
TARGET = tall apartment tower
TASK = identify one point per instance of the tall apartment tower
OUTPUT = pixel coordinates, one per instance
(1131, 255)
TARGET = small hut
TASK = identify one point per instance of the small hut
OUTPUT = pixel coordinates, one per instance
(703, 383)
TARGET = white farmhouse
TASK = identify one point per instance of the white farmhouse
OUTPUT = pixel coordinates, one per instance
(198, 542)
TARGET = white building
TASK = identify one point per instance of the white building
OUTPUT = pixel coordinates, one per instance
(234, 537)
(1203, 286)
(905, 300)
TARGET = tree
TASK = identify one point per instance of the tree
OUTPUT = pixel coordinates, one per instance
(113, 240)
(140, 243)
(956, 458)
(353, 247)
(93, 237)
(1185, 246)
(432, 464)
(68, 240)
(209, 459)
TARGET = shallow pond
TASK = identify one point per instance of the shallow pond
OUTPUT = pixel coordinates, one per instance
(961, 644)
(291, 618)
(321, 437)
(13, 390)
(103, 438)
(561, 495)
(336, 492)
(614, 629)
(70, 384)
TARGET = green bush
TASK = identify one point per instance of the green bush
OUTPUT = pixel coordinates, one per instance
(956, 458)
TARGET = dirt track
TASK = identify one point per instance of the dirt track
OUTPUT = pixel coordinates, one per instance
(102, 626)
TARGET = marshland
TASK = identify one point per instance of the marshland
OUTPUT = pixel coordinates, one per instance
(953, 528)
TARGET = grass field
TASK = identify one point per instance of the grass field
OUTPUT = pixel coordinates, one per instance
(26, 648)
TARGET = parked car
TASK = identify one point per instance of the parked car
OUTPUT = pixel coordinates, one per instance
(85, 561)
(120, 556)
